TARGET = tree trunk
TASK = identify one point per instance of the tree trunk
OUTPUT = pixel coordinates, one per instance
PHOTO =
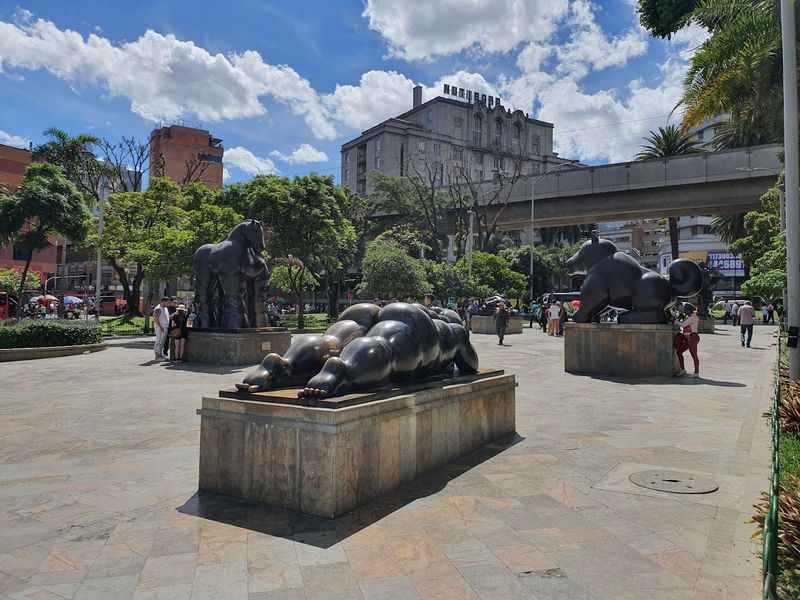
(135, 293)
(300, 319)
(673, 237)
(22, 284)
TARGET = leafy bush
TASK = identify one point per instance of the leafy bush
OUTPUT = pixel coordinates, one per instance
(39, 334)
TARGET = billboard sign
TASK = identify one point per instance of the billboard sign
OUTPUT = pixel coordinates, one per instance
(726, 263)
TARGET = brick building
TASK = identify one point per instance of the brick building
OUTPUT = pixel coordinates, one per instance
(13, 163)
(185, 154)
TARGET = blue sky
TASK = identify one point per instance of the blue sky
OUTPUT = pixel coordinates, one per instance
(284, 84)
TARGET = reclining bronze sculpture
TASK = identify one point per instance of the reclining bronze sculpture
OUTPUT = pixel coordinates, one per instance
(615, 279)
(369, 347)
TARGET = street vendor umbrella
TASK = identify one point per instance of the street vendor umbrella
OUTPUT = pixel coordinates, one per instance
(46, 299)
(72, 300)
(34, 299)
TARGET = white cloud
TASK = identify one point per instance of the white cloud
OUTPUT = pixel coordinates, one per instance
(225, 174)
(164, 78)
(9, 139)
(305, 153)
(422, 30)
(603, 125)
(378, 96)
(244, 160)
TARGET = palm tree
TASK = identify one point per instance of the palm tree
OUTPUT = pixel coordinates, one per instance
(737, 70)
(75, 157)
(668, 141)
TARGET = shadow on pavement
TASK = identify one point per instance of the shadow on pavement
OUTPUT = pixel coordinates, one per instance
(324, 533)
(669, 381)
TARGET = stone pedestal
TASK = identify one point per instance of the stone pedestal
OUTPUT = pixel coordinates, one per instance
(326, 462)
(485, 324)
(620, 350)
(706, 325)
(235, 346)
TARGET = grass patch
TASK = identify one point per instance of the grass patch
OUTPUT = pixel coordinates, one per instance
(789, 456)
(312, 321)
(123, 325)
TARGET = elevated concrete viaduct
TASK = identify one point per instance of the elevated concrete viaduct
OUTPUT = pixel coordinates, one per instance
(713, 183)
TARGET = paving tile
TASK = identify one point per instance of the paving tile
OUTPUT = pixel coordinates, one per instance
(179, 591)
(275, 576)
(390, 588)
(103, 588)
(492, 582)
(453, 587)
(524, 558)
(328, 578)
(160, 571)
(279, 595)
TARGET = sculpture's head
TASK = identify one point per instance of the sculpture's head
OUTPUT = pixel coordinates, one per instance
(589, 254)
(253, 233)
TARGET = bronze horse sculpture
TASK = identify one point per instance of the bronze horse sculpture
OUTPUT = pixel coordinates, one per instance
(230, 279)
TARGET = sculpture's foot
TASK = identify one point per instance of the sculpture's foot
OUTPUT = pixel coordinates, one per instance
(262, 377)
(324, 383)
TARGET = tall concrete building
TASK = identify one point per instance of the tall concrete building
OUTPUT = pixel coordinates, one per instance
(462, 132)
(185, 154)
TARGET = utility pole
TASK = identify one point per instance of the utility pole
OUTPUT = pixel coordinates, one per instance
(98, 276)
(792, 183)
(469, 244)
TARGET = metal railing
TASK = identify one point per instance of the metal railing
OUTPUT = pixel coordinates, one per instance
(770, 536)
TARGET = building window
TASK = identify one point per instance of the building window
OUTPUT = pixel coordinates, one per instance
(498, 132)
(478, 174)
(347, 159)
(535, 146)
(437, 149)
(517, 131)
(421, 147)
(378, 163)
(378, 145)
(429, 119)
(347, 174)
(477, 128)
(458, 153)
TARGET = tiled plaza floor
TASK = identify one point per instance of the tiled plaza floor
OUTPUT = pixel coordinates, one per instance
(98, 473)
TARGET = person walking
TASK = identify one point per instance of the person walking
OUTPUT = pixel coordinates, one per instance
(771, 313)
(553, 318)
(735, 313)
(501, 322)
(689, 328)
(161, 325)
(562, 318)
(179, 331)
(533, 310)
(746, 320)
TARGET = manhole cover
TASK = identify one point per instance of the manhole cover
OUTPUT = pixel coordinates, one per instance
(674, 482)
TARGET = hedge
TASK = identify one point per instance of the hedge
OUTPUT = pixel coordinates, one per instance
(39, 334)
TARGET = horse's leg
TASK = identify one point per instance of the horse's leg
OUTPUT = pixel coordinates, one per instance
(202, 281)
(232, 301)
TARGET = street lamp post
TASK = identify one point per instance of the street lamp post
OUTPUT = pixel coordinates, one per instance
(534, 181)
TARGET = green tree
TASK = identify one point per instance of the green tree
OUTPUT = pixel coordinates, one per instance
(417, 202)
(390, 273)
(135, 222)
(11, 282)
(664, 17)
(75, 157)
(549, 264)
(668, 141)
(736, 71)
(290, 278)
(306, 220)
(491, 274)
(46, 204)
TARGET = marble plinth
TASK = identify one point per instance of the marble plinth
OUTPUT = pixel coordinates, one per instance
(623, 350)
(325, 462)
(235, 346)
(485, 324)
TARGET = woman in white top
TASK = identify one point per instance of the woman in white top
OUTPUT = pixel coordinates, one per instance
(689, 338)
(553, 317)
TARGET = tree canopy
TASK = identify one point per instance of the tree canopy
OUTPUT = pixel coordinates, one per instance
(390, 273)
(46, 204)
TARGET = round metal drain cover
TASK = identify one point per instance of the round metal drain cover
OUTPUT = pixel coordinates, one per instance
(674, 482)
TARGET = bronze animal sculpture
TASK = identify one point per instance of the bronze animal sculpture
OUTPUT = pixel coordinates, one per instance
(230, 279)
(614, 279)
(368, 347)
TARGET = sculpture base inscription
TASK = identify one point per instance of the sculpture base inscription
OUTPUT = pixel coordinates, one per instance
(325, 462)
(619, 350)
(235, 346)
